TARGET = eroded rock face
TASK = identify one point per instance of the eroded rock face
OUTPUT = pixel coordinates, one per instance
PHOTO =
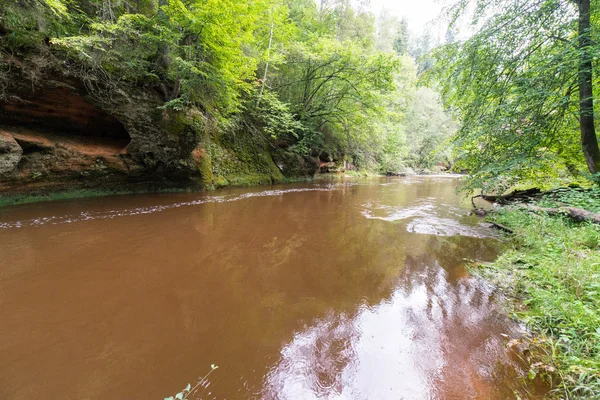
(56, 131)
(63, 134)
(294, 165)
(60, 109)
(10, 153)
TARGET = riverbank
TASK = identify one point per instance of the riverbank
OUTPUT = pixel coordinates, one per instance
(44, 196)
(43, 193)
(551, 273)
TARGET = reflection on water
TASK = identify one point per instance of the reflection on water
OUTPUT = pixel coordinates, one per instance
(348, 290)
(423, 342)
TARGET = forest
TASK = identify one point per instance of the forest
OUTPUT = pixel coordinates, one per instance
(523, 86)
(245, 92)
(328, 83)
(332, 81)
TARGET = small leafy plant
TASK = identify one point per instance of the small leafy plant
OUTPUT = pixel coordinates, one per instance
(183, 395)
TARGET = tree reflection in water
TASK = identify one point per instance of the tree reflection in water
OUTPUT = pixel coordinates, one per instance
(438, 335)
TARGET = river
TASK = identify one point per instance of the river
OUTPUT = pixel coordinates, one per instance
(345, 289)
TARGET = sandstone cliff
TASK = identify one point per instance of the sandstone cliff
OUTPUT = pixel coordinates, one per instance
(58, 132)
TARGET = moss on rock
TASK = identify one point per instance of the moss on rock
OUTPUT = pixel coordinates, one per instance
(241, 160)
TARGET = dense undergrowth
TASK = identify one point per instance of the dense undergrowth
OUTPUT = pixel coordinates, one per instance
(553, 266)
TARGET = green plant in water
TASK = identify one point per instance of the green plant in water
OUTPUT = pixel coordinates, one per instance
(183, 395)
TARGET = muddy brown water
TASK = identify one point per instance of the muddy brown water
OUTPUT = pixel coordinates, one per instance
(351, 289)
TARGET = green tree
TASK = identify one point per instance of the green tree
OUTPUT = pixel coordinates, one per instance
(307, 77)
(333, 84)
(402, 40)
(513, 86)
(331, 76)
(589, 141)
(419, 49)
(428, 129)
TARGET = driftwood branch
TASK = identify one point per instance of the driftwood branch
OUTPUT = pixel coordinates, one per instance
(578, 214)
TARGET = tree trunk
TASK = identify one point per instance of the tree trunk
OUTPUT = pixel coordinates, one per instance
(578, 214)
(264, 80)
(164, 59)
(589, 142)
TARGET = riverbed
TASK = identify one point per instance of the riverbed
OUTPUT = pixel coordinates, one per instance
(344, 289)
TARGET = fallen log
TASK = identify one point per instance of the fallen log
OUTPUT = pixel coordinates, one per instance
(578, 214)
(523, 195)
(512, 196)
(502, 227)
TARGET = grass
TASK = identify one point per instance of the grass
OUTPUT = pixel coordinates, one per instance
(553, 266)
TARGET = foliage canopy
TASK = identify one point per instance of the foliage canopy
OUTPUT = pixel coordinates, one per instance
(313, 79)
(514, 87)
